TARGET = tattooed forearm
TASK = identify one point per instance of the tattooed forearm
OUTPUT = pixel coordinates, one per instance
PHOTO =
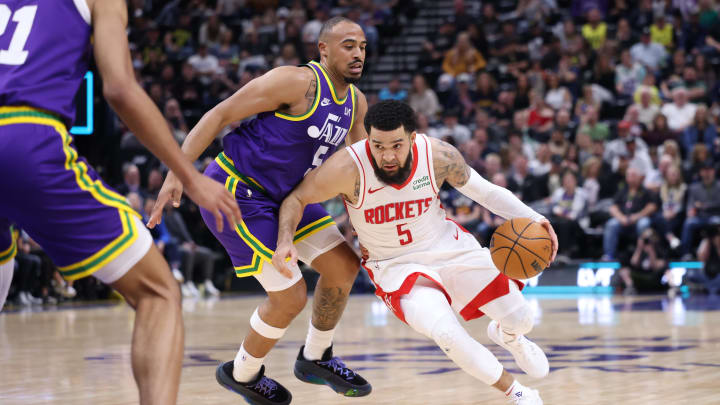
(328, 307)
(449, 165)
(353, 198)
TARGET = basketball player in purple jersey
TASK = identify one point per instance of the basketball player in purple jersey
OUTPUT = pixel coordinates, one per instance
(47, 190)
(303, 114)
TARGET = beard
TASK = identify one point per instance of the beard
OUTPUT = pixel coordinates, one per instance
(399, 177)
(351, 80)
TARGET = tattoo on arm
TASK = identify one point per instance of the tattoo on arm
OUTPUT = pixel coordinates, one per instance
(449, 165)
(328, 307)
(310, 93)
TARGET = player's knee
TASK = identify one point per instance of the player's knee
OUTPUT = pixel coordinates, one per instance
(290, 301)
(423, 308)
(446, 331)
(518, 322)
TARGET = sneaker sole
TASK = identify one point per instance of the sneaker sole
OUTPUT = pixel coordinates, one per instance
(229, 383)
(340, 389)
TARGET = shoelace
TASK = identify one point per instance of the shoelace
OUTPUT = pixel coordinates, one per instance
(265, 386)
(336, 365)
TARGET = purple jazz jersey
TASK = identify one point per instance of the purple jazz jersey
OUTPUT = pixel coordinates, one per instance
(46, 188)
(44, 52)
(278, 150)
(253, 242)
(56, 198)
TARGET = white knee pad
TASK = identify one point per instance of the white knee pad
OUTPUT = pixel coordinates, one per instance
(518, 322)
(263, 329)
(428, 312)
(6, 276)
(423, 307)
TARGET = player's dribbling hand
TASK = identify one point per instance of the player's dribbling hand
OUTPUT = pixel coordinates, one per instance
(553, 237)
(282, 252)
(214, 197)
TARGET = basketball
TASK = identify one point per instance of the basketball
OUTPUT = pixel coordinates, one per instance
(521, 248)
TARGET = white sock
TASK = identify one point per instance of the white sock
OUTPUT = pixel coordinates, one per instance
(316, 342)
(515, 387)
(246, 367)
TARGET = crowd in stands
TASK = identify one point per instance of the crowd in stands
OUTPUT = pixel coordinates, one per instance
(602, 115)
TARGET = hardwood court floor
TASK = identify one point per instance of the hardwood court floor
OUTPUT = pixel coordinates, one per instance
(602, 350)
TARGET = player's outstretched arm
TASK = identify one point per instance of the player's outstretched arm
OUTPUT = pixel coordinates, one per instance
(141, 115)
(338, 175)
(281, 87)
(449, 165)
(357, 132)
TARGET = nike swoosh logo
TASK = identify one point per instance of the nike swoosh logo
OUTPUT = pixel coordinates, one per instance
(325, 102)
(377, 189)
(456, 234)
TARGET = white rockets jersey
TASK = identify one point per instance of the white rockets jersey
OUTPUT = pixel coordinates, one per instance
(393, 220)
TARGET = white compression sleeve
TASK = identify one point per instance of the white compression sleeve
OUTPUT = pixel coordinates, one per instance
(428, 312)
(497, 199)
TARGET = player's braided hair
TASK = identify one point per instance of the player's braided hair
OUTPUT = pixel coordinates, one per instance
(388, 115)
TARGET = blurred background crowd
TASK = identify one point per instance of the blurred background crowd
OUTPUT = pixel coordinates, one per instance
(600, 114)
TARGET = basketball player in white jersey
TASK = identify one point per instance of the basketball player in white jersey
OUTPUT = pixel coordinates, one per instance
(424, 265)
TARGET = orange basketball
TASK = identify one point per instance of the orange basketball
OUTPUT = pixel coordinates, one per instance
(521, 248)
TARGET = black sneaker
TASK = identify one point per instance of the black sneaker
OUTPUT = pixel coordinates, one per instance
(260, 391)
(332, 372)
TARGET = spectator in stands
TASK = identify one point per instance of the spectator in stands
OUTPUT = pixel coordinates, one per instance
(680, 113)
(703, 206)
(672, 200)
(155, 181)
(633, 205)
(709, 254)
(702, 130)
(628, 74)
(176, 120)
(590, 125)
(699, 155)
(591, 184)
(464, 97)
(131, 176)
(646, 110)
(646, 267)
(540, 117)
(423, 99)
(558, 97)
(453, 131)
(569, 204)
(193, 255)
(29, 270)
(393, 91)
(463, 57)
(211, 31)
(651, 54)
(624, 36)
(205, 64)
(595, 31)
(661, 31)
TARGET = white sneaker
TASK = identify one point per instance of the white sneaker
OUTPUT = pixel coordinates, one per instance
(526, 397)
(23, 298)
(178, 275)
(528, 356)
(185, 290)
(210, 288)
(674, 242)
(193, 289)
